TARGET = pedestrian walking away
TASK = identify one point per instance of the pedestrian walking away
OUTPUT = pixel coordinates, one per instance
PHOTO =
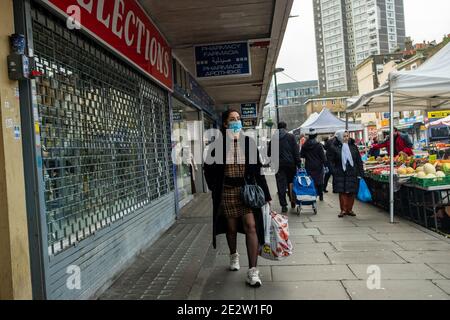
(347, 168)
(314, 155)
(225, 179)
(289, 161)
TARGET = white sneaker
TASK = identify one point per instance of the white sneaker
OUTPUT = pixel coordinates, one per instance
(253, 278)
(234, 262)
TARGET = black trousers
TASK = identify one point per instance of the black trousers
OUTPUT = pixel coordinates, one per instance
(284, 177)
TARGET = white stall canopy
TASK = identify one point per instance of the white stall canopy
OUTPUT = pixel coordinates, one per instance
(426, 88)
(326, 122)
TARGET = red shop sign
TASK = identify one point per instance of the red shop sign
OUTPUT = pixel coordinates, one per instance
(124, 27)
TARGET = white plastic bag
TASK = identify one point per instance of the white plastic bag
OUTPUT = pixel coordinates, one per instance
(277, 245)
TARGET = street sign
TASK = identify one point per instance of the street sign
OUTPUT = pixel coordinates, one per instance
(223, 60)
(248, 110)
(438, 114)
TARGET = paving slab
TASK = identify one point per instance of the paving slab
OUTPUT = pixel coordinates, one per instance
(314, 247)
(374, 257)
(405, 271)
(395, 290)
(297, 258)
(311, 273)
(301, 239)
(442, 268)
(221, 274)
(225, 291)
(371, 223)
(366, 246)
(344, 237)
(346, 230)
(302, 290)
(303, 232)
(425, 245)
(329, 224)
(325, 217)
(425, 256)
(443, 284)
(404, 236)
(395, 229)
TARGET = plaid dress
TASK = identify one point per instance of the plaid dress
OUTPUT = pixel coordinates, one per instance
(233, 207)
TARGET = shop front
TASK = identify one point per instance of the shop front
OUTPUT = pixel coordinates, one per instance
(184, 119)
(101, 142)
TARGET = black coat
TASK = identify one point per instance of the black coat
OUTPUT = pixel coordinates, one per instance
(345, 182)
(314, 155)
(289, 150)
(214, 175)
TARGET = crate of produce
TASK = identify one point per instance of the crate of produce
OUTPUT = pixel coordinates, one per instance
(431, 182)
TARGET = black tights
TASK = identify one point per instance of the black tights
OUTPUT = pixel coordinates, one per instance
(251, 237)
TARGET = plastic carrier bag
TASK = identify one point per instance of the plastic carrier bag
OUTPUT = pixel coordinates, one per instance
(304, 189)
(277, 245)
(364, 194)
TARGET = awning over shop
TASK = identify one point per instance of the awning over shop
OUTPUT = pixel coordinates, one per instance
(326, 122)
(187, 24)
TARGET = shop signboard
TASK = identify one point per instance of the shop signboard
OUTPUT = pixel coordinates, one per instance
(438, 114)
(177, 116)
(125, 28)
(248, 110)
(223, 60)
(249, 123)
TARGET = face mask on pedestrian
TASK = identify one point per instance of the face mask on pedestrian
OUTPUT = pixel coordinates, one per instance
(235, 126)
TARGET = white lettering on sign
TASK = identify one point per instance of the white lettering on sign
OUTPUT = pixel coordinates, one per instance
(126, 28)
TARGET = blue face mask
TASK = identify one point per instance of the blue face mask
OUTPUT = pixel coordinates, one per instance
(236, 126)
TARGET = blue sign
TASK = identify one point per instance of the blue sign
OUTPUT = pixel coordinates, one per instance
(248, 110)
(222, 60)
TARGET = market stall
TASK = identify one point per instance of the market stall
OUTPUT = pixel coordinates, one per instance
(421, 187)
(426, 88)
(326, 122)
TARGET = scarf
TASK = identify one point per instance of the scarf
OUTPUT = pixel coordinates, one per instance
(346, 154)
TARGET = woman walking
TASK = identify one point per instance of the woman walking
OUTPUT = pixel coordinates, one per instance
(240, 163)
(347, 168)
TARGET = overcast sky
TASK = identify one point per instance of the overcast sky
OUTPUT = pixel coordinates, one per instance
(425, 20)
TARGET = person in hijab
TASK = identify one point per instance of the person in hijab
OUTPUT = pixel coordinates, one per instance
(347, 168)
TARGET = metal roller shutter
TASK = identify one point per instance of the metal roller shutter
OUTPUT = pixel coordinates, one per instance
(105, 136)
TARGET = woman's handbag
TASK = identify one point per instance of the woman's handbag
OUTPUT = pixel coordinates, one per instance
(252, 195)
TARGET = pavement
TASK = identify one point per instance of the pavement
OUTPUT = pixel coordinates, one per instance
(354, 258)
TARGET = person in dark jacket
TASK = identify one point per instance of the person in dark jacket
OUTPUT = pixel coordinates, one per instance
(225, 177)
(347, 168)
(328, 142)
(314, 155)
(289, 160)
